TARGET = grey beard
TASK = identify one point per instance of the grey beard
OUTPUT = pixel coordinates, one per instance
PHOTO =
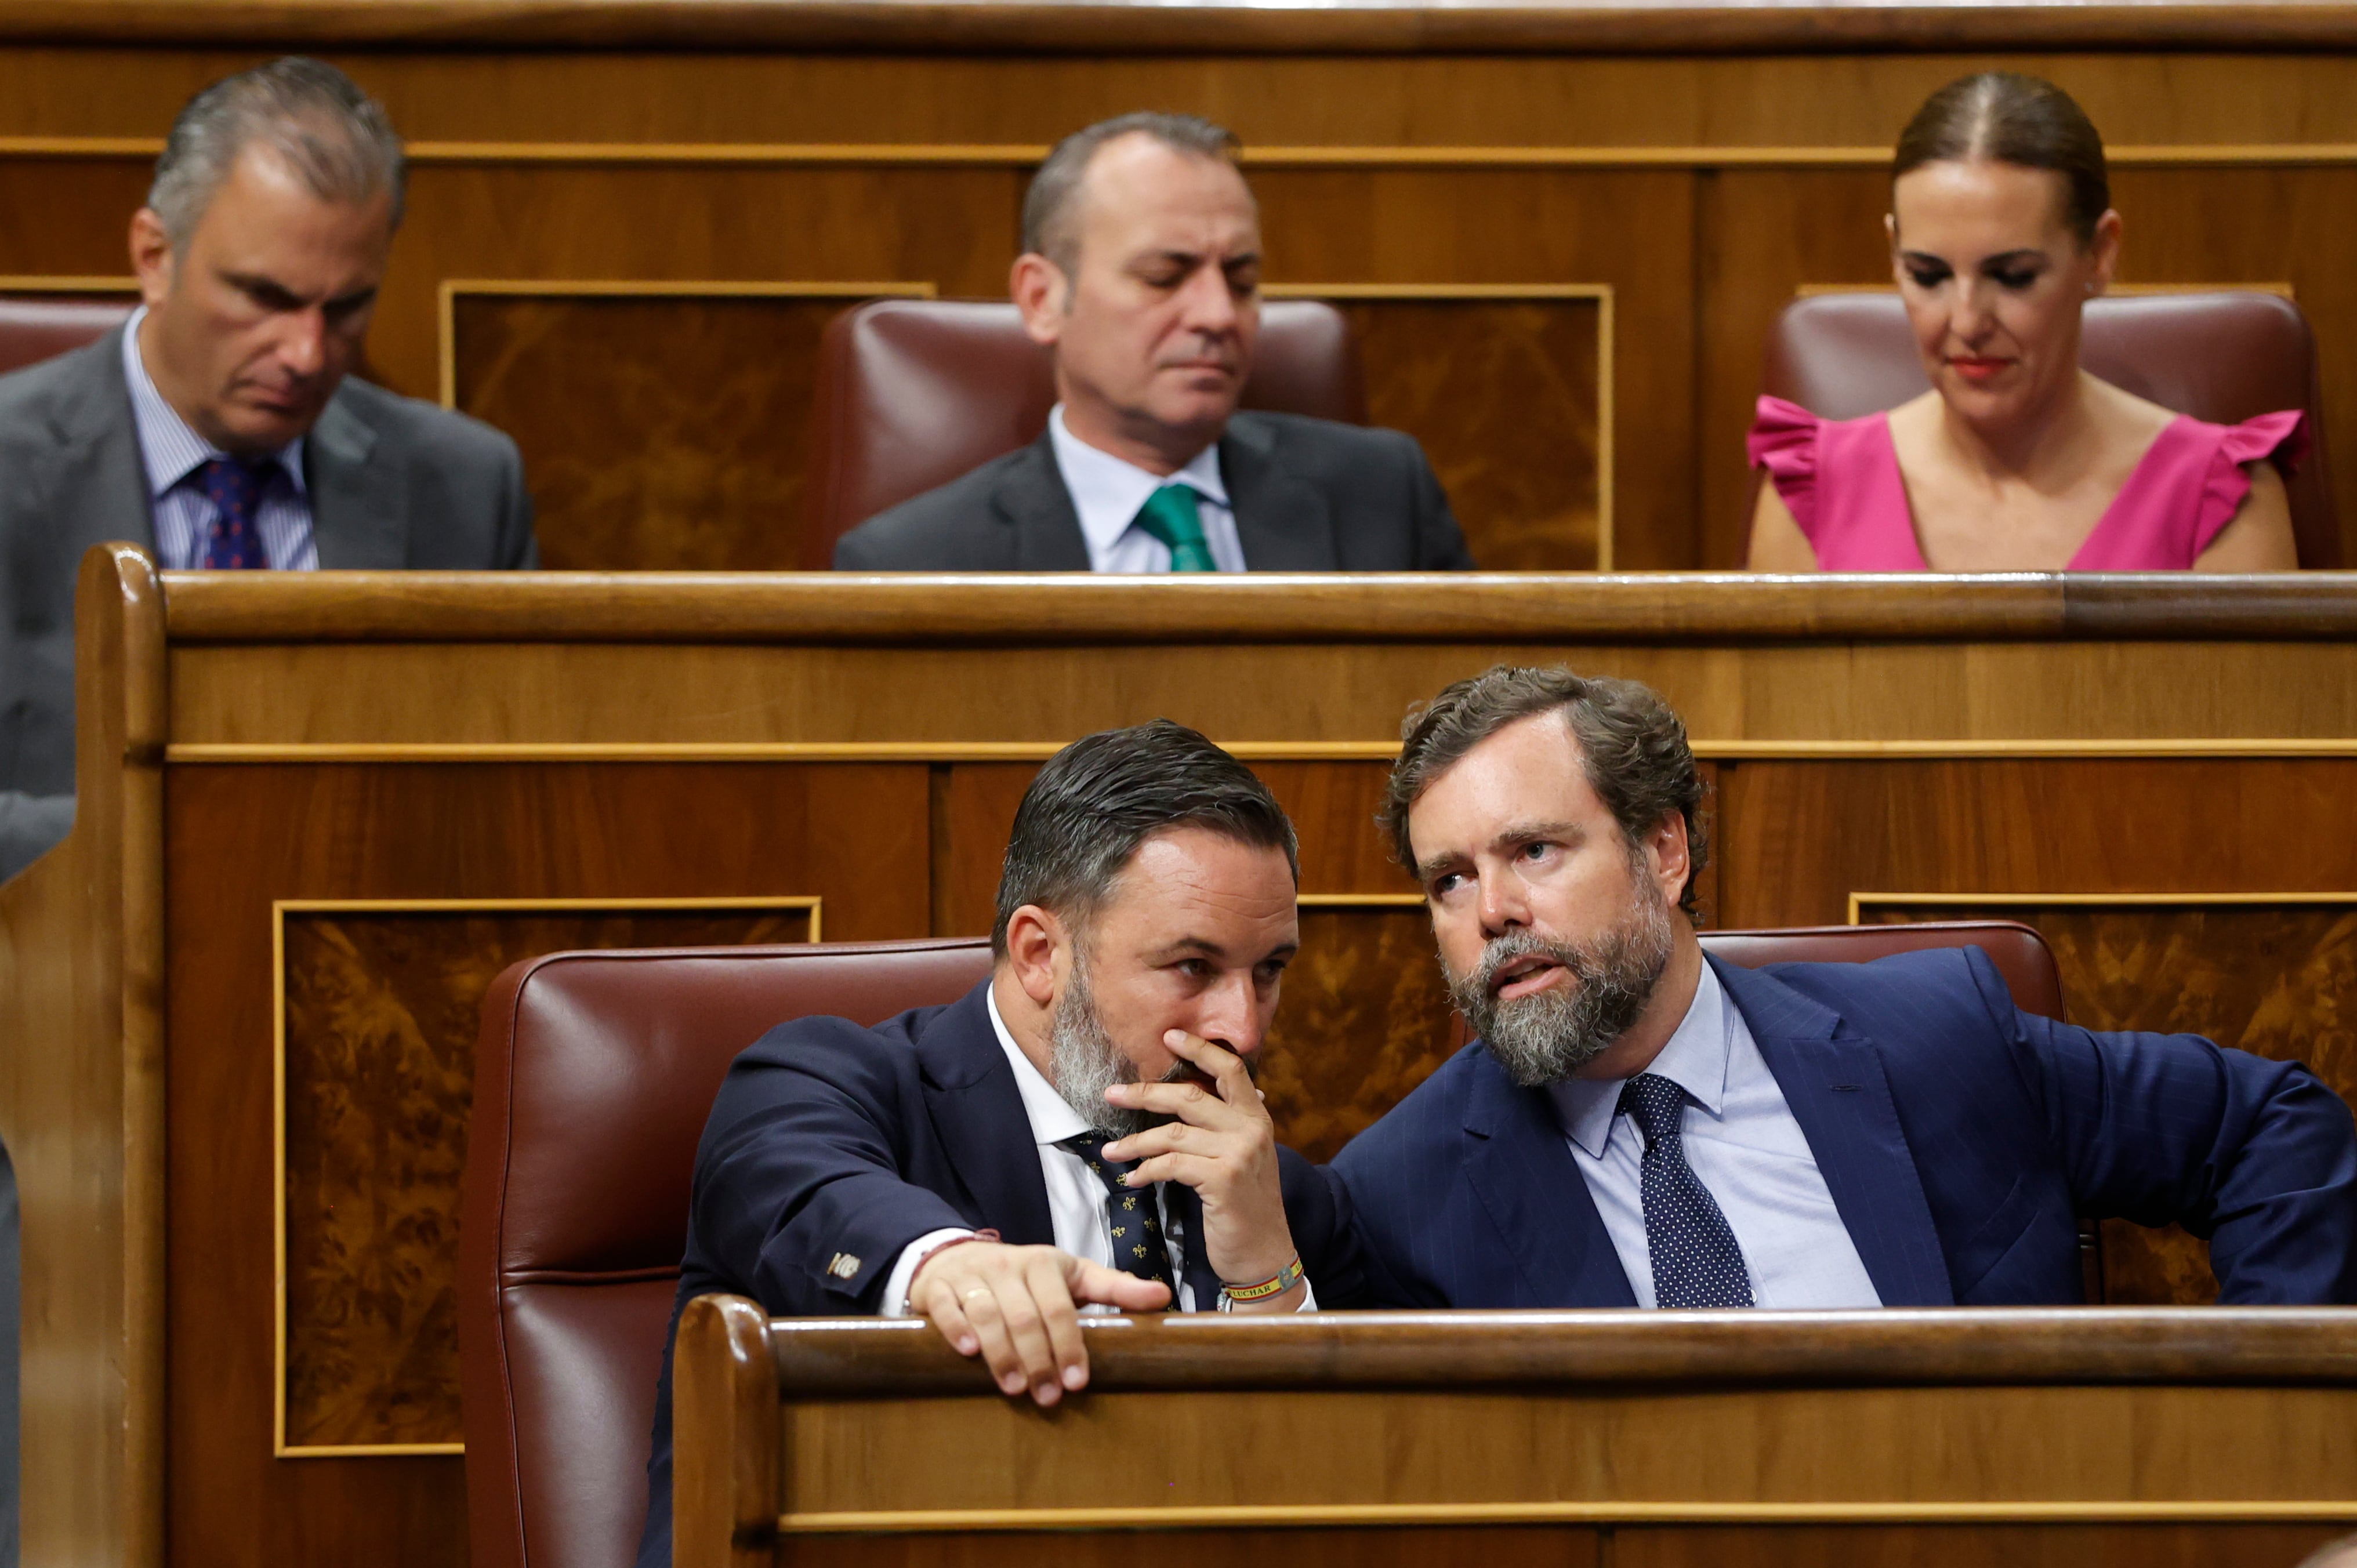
(1087, 1062)
(1547, 1037)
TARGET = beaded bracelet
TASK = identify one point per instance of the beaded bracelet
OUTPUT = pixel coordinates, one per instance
(1286, 1278)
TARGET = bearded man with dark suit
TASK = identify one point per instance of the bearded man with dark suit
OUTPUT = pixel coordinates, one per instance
(1640, 1125)
(1140, 274)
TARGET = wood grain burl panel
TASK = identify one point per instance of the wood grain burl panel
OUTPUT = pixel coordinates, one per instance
(382, 1014)
(1504, 396)
(658, 434)
(2279, 979)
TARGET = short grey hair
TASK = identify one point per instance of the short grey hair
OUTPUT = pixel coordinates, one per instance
(1633, 747)
(1049, 229)
(338, 140)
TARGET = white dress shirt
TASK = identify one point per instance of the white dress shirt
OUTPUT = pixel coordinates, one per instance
(171, 453)
(1077, 1198)
(1107, 493)
(1744, 1144)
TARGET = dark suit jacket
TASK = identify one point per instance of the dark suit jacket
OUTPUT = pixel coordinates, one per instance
(1308, 496)
(1960, 1137)
(394, 483)
(830, 1140)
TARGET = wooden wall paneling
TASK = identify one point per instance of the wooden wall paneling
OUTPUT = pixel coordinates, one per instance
(246, 837)
(1539, 1547)
(1509, 391)
(1364, 1018)
(2267, 975)
(380, 1006)
(663, 427)
(1629, 230)
(1973, 1546)
(81, 1106)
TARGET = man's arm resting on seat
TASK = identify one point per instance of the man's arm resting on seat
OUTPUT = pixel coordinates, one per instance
(2257, 1156)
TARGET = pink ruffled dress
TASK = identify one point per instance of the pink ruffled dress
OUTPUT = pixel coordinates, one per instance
(1840, 479)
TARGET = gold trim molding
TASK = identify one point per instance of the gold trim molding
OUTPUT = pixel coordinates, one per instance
(279, 910)
(1281, 1516)
(987, 155)
(1861, 902)
(446, 301)
(232, 753)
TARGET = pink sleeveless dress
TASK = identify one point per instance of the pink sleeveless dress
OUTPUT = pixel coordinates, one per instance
(1840, 479)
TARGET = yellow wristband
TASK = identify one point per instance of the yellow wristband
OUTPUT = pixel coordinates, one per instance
(1286, 1278)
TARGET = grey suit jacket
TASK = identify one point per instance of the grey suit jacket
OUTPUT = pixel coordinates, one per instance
(394, 484)
(1308, 496)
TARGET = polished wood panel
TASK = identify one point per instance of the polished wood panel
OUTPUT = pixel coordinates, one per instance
(1364, 1018)
(660, 433)
(1508, 400)
(1981, 1546)
(381, 1010)
(1391, 1547)
(248, 837)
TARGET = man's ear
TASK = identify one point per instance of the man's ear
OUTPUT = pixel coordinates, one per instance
(1668, 855)
(151, 256)
(1040, 291)
(1036, 951)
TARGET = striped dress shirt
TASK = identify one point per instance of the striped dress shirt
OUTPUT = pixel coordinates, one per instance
(184, 517)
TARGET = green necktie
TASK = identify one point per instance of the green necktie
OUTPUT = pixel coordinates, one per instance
(1169, 515)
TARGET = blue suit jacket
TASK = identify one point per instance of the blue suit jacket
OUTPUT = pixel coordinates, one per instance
(1961, 1139)
(831, 1140)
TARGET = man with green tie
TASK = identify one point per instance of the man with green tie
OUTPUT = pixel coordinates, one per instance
(1140, 274)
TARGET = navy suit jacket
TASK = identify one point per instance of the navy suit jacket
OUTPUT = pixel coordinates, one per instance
(830, 1140)
(1960, 1137)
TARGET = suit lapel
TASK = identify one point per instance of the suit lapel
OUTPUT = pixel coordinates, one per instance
(1520, 1165)
(1834, 1082)
(360, 500)
(98, 492)
(1033, 501)
(978, 1113)
(1283, 524)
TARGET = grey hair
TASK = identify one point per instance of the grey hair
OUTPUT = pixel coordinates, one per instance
(337, 139)
(1100, 798)
(1632, 749)
(1049, 229)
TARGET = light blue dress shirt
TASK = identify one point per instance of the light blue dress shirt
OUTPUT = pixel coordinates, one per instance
(171, 452)
(1107, 493)
(1744, 1144)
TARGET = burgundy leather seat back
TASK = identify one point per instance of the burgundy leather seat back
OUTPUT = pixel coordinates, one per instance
(2021, 954)
(592, 1078)
(2223, 357)
(913, 392)
(34, 328)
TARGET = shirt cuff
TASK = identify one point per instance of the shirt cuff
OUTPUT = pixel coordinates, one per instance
(896, 1285)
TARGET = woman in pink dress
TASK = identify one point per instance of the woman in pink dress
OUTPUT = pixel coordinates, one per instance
(2001, 229)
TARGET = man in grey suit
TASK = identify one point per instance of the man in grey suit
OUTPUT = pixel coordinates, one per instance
(216, 428)
(1141, 274)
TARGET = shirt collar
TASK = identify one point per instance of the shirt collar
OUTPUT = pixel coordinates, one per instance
(1107, 490)
(1694, 1059)
(168, 449)
(1052, 1120)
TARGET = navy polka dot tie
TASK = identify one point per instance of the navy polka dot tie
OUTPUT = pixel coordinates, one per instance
(234, 541)
(1695, 1260)
(1138, 1247)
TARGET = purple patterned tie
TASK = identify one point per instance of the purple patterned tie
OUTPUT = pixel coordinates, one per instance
(235, 488)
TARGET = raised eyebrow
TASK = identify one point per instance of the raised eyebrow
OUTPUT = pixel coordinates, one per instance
(1528, 832)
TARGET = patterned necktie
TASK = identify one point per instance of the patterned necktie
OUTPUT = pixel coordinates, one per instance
(235, 488)
(1695, 1260)
(1170, 515)
(1138, 1247)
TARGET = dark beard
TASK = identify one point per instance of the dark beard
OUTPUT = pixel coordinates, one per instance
(1086, 1063)
(1548, 1037)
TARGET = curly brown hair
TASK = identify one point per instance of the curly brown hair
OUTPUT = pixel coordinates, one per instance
(1632, 747)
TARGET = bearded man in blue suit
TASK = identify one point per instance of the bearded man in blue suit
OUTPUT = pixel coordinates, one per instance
(1640, 1125)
